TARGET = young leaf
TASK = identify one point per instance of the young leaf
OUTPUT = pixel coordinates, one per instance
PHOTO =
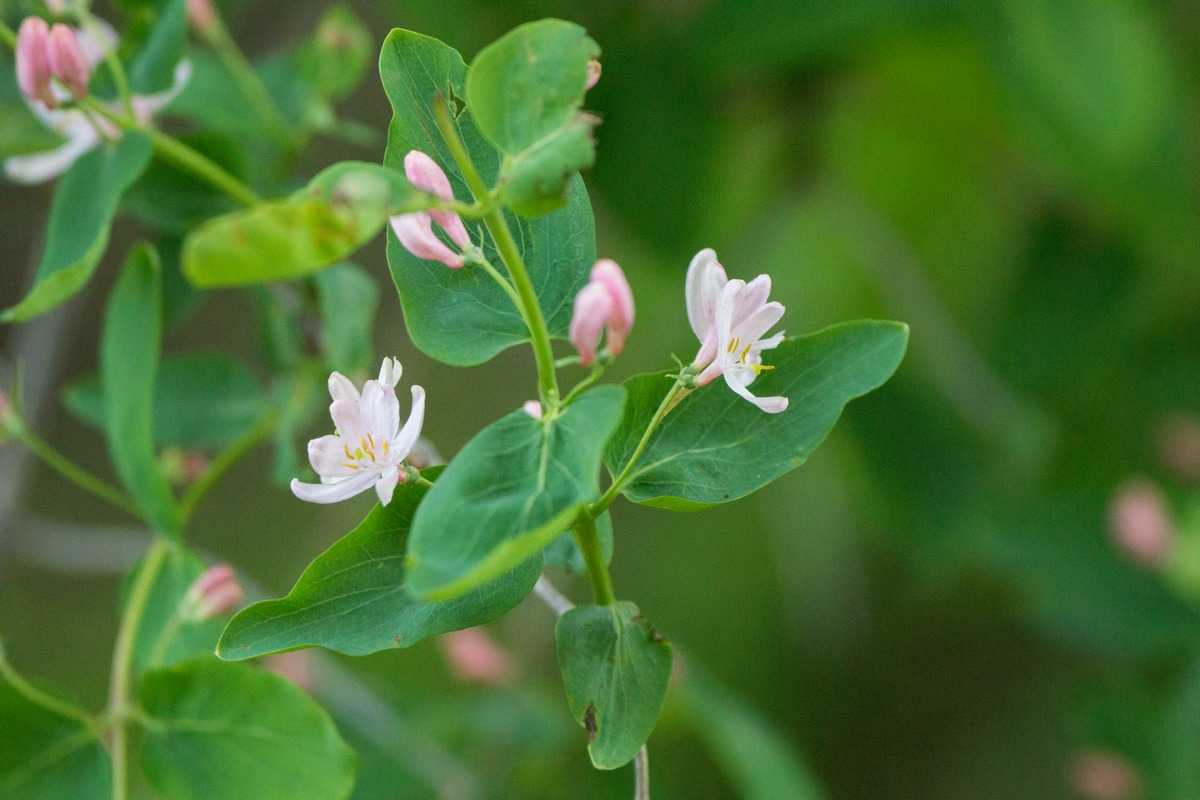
(153, 68)
(49, 750)
(129, 349)
(615, 670)
(511, 491)
(461, 317)
(348, 300)
(352, 598)
(200, 400)
(85, 202)
(339, 211)
(230, 730)
(525, 90)
(715, 447)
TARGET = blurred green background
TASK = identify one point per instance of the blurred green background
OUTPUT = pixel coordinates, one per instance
(933, 606)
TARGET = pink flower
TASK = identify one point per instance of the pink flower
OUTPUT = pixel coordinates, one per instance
(605, 303)
(369, 446)
(474, 656)
(730, 318)
(1140, 523)
(215, 593)
(415, 230)
(33, 61)
(68, 61)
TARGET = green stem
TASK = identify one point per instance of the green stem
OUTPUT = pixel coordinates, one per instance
(224, 460)
(250, 85)
(669, 402)
(38, 697)
(584, 384)
(122, 667)
(497, 226)
(500, 279)
(72, 471)
(8, 35)
(176, 152)
(588, 540)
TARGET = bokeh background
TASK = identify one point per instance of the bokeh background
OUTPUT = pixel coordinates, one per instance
(937, 604)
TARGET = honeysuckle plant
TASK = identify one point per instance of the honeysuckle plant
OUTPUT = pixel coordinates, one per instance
(490, 245)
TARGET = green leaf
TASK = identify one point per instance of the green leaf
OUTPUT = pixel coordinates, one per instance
(200, 400)
(129, 349)
(615, 670)
(525, 90)
(564, 552)
(461, 317)
(20, 131)
(760, 762)
(165, 636)
(353, 599)
(153, 68)
(715, 447)
(511, 491)
(173, 201)
(336, 58)
(85, 202)
(348, 299)
(231, 730)
(340, 210)
(49, 750)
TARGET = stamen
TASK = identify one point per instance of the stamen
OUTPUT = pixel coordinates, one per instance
(346, 450)
(733, 345)
(745, 353)
(351, 466)
(385, 447)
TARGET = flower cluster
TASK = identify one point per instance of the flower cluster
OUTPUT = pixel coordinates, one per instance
(606, 303)
(46, 53)
(415, 231)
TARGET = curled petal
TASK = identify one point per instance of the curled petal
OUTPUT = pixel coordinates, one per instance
(758, 322)
(334, 492)
(385, 487)
(609, 274)
(145, 107)
(593, 307)
(46, 166)
(407, 438)
(754, 295)
(705, 280)
(340, 388)
(390, 371)
(415, 232)
(380, 410)
(739, 380)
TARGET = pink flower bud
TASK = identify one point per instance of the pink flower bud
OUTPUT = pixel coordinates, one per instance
(415, 232)
(33, 60)
(1101, 775)
(68, 62)
(201, 15)
(1140, 523)
(608, 273)
(475, 657)
(593, 307)
(215, 593)
(593, 74)
(533, 408)
(424, 173)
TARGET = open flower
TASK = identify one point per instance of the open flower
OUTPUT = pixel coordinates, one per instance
(730, 318)
(605, 303)
(415, 230)
(369, 446)
(81, 132)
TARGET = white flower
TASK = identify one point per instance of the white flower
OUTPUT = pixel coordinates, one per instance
(82, 133)
(730, 318)
(369, 446)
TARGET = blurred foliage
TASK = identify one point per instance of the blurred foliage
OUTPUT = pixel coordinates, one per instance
(932, 607)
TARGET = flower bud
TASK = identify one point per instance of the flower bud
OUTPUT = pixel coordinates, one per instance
(415, 232)
(593, 307)
(33, 60)
(424, 173)
(1140, 523)
(593, 74)
(202, 16)
(533, 408)
(68, 62)
(608, 273)
(473, 656)
(215, 593)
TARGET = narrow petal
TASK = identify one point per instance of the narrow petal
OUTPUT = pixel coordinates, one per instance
(390, 371)
(403, 444)
(761, 320)
(347, 418)
(705, 274)
(334, 492)
(341, 388)
(754, 295)
(386, 485)
(415, 232)
(147, 106)
(48, 165)
(771, 405)
(380, 410)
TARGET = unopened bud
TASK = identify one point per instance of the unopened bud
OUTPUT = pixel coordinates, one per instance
(474, 657)
(215, 593)
(33, 60)
(593, 74)
(68, 62)
(425, 174)
(1179, 446)
(609, 274)
(533, 408)
(202, 15)
(1102, 775)
(1140, 523)
(593, 306)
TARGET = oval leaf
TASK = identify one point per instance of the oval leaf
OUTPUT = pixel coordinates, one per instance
(511, 491)
(85, 202)
(615, 670)
(263, 737)
(715, 447)
(461, 317)
(352, 598)
(129, 349)
(340, 210)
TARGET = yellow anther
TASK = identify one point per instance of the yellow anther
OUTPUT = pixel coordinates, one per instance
(745, 353)
(385, 447)
(346, 450)
(733, 345)
(351, 466)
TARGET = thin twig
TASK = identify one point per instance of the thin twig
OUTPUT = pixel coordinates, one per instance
(641, 775)
(558, 602)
